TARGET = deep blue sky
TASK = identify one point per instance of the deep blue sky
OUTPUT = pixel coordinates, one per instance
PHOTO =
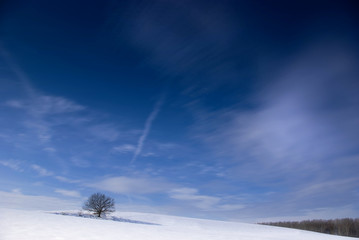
(236, 110)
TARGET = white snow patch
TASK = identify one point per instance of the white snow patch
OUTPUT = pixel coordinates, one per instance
(36, 225)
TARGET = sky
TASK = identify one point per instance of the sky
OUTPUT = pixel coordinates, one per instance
(231, 110)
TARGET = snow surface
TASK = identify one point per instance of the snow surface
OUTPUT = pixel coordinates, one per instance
(36, 225)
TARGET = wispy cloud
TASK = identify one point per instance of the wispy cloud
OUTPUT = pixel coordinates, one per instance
(68, 193)
(37, 107)
(231, 207)
(66, 180)
(125, 148)
(149, 154)
(40, 105)
(298, 140)
(293, 130)
(105, 131)
(13, 164)
(41, 171)
(20, 75)
(49, 149)
(198, 52)
(14, 104)
(308, 194)
(147, 128)
(38, 111)
(191, 195)
(45, 105)
(22, 201)
(80, 162)
(129, 185)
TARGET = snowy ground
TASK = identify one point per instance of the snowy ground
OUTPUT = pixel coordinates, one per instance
(36, 225)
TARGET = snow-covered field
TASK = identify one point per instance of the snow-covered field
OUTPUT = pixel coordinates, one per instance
(36, 225)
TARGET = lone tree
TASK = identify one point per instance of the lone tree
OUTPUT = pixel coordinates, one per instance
(99, 203)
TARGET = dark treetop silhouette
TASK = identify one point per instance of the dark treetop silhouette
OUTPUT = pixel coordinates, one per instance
(99, 203)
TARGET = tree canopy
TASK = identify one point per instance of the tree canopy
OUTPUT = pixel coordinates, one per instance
(99, 204)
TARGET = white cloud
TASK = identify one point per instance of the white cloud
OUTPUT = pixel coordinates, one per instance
(167, 146)
(14, 103)
(300, 122)
(13, 164)
(37, 107)
(191, 195)
(80, 162)
(330, 190)
(49, 149)
(105, 132)
(125, 148)
(147, 128)
(18, 200)
(149, 154)
(127, 185)
(67, 180)
(68, 193)
(42, 105)
(231, 207)
(41, 171)
(183, 193)
(40, 128)
(16, 190)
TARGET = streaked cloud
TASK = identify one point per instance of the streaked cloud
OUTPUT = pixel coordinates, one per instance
(292, 130)
(49, 149)
(40, 129)
(131, 185)
(68, 193)
(13, 164)
(147, 128)
(66, 180)
(14, 104)
(191, 195)
(125, 148)
(231, 207)
(40, 105)
(41, 171)
(106, 131)
(80, 162)
(149, 154)
(18, 200)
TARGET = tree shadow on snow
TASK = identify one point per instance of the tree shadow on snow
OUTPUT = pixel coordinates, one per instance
(111, 218)
(132, 221)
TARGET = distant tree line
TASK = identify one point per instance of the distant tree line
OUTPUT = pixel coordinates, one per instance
(343, 227)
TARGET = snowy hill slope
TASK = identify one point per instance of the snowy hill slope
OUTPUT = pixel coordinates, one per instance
(35, 225)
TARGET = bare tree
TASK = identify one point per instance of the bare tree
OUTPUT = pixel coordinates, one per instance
(99, 203)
